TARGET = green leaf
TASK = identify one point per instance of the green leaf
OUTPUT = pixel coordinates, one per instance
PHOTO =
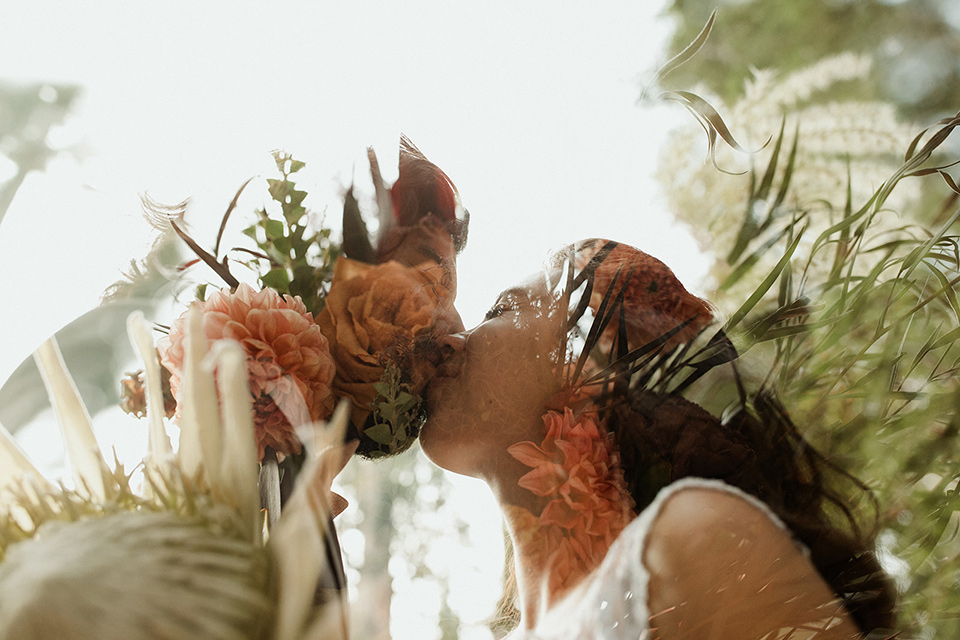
(294, 214)
(282, 244)
(379, 433)
(948, 291)
(763, 191)
(279, 189)
(273, 229)
(948, 338)
(296, 165)
(405, 402)
(922, 250)
(741, 269)
(281, 158)
(755, 297)
(276, 278)
(296, 196)
(787, 173)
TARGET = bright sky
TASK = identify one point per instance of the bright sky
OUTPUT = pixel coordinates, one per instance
(530, 107)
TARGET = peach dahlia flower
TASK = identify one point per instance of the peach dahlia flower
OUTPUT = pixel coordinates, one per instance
(288, 359)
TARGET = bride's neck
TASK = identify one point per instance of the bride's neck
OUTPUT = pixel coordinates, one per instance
(565, 501)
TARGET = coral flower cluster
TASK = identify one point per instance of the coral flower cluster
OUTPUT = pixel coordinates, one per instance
(654, 300)
(288, 359)
(576, 468)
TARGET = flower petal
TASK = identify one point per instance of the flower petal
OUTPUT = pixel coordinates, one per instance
(528, 453)
(544, 480)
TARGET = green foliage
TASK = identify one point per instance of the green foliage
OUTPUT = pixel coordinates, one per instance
(293, 258)
(397, 416)
(791, 35)
(848, 308)
(862, 336)
(29, 112)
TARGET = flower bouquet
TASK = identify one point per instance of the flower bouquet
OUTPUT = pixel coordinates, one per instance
(354, 321)
(328, 356)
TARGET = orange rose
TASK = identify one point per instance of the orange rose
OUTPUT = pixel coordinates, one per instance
(370, 309)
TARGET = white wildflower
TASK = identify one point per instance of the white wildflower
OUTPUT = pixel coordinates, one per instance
(864, 138)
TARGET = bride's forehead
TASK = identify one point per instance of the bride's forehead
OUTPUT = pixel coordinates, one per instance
(537, 285)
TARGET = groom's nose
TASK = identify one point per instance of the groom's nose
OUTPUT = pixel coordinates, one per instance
(450, 322)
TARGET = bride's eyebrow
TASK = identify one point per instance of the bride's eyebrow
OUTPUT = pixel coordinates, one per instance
(512, 291)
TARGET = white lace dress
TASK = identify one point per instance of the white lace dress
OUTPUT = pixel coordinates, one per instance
(613, 602)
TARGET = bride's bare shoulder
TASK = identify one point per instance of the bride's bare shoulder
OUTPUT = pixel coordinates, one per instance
(722, 565)
(697, 512)
(695, 523)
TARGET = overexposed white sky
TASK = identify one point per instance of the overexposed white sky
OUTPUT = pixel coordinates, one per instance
(530, 107)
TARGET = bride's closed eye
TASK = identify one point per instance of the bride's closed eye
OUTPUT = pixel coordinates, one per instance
(509, 300)
(496, 311)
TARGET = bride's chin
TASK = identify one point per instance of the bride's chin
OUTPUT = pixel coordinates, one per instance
(442, 406)
(441, 443)
(439, 410)
(439, 386)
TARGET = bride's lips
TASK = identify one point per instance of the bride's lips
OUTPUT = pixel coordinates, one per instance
(451, 366)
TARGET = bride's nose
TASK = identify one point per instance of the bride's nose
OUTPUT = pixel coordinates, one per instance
(453, 349)
(453, 343)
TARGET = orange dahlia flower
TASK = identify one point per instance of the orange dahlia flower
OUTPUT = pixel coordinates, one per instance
(288, 359)
(577, 469)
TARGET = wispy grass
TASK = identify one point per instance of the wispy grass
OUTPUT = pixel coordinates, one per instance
(865, 355)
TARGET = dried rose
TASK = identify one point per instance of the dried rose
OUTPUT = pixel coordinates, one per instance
(133, 398)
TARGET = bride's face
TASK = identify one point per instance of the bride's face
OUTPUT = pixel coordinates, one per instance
(491, 388)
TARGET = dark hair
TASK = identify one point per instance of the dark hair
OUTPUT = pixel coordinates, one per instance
(663, 436)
